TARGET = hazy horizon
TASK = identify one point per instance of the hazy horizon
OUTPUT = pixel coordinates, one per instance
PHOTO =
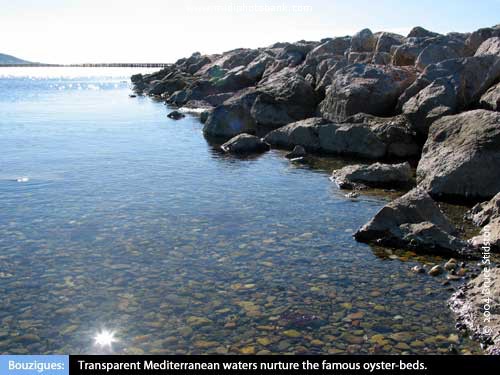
(91, 31)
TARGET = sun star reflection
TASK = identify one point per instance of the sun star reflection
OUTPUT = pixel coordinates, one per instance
(105, 338)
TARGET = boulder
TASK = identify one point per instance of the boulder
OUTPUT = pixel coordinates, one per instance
(434, 101)
(232, 117)
(489, 236)
(482, 213)
(420, 32)
(372, 89)
(487, 215)
(490, 46)
(478, 37)
(413, 220)
(365, 136)
(245, 144)
(176, 115)
(457, 85)
(297, 152)
(395, 132)
(301, 133)
(374, 175)
(284, 98)
(491, 99)
(461, 156)
(363, 41)
(386, 41)
(468, 305)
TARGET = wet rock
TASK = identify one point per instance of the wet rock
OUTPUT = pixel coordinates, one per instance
(297, 152)
(376, 175)
(418, 269)
(436, 270)
(468, 304)
(413, 220)
(372, 89)
(233, 117)
(245, 144)
(451, 264)
(461, 155)
(176, 115)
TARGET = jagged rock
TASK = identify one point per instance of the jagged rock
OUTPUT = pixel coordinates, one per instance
(420, 32)
(245, 144)
(363, 41)
(461, 156)
(284, 98)
(490, 46)
(365, 136)
(176, 115)
(482, 213)
(360, 57)
(458, 84)
(387, 40)
(468, 305)
(372, 89)
(438, 52)
(394, 132)
(491, 99)
(434, 101)
(478, 37)
(301, 133)
(375, 175)
(232, 117)
(297, 152)
(413, 220)
(487, 215)
(381, 58)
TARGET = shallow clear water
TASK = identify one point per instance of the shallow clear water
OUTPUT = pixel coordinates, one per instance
(114, 217)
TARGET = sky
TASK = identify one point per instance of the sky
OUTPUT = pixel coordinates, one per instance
(79, 31)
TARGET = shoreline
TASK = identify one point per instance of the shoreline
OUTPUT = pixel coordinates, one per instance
(379, 98)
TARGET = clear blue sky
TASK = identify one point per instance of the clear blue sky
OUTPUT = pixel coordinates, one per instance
(163, 30)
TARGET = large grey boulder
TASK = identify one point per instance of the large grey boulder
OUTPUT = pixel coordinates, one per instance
(468, 304)
(375, 175)
(365, 136)
(386, 41)
(284, 98)
(372, 89)
(455, 85)
(490, 46)
(491, 99)
(420, 32)
(413, 220)
(434, 101)
(232, 117)
(461, 157)
(301, 133)
(245, 144)
(479, 36)
(395, 132)
(363, 41)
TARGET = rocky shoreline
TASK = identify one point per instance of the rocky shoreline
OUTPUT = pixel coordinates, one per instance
(387, 99)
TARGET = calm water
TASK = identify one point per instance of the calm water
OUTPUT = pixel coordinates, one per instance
(115, 218)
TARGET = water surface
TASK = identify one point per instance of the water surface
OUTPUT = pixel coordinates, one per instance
(114, 217)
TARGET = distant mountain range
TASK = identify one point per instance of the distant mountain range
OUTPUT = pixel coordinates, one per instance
(8, 59)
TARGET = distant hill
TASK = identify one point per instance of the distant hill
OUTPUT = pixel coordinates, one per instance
(7, 59)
